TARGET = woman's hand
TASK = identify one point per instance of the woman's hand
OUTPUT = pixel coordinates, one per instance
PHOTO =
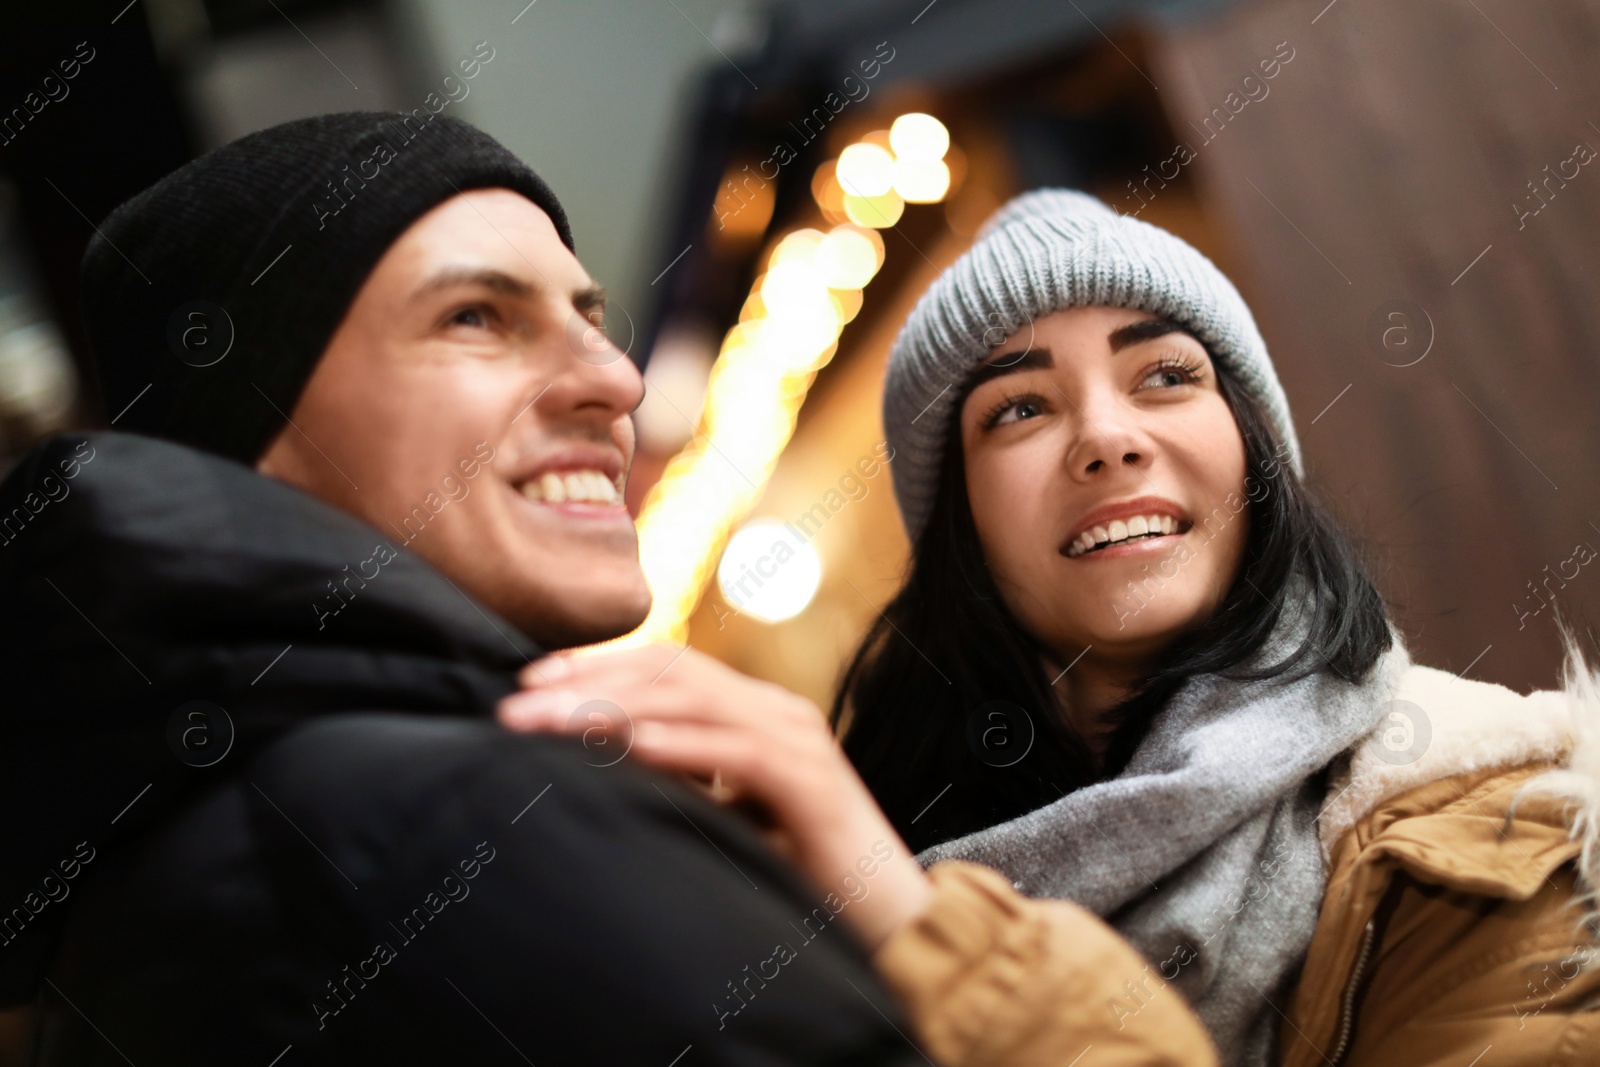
(771, 750)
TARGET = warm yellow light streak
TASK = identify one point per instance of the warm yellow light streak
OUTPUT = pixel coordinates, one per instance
(788, 330)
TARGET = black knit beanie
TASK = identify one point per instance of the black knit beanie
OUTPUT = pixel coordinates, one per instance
(210, 296)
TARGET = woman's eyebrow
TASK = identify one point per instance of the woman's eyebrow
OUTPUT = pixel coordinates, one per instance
(1144, 330)
(1011, 363)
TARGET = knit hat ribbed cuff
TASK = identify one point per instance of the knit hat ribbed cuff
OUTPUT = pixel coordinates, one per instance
(258, 249)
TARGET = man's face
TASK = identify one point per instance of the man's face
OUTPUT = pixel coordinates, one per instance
(468, 408)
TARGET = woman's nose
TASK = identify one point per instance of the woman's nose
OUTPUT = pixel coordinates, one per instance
(1107, 437)
(1130, 458)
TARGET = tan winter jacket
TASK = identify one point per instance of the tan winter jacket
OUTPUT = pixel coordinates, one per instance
(1448, 934)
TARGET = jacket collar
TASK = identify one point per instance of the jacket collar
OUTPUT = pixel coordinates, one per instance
(1441, 725)
(139, 576)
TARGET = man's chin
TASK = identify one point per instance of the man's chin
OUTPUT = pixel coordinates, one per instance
(591, 623)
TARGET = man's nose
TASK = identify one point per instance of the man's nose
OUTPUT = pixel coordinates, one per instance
(598, 372)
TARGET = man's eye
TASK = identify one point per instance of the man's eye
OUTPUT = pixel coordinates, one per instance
(476, 316)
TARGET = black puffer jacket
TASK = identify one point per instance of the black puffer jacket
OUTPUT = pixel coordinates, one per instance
(238, 830)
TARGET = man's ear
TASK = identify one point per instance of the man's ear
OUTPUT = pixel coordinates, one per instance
(278, 459)
(270, 461)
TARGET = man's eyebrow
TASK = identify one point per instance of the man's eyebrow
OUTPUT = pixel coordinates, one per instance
(1005, 363)
(497, 280)
(590, 298)
(1145, 330)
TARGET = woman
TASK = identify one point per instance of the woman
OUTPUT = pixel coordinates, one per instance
(1136, 667)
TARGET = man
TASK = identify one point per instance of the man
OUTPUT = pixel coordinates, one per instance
(257, 807)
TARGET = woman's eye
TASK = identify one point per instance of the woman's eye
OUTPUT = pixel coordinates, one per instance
(1016, 411)
(1172, 373)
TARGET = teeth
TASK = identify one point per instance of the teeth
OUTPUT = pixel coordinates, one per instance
(588, 487)
(1122, 530)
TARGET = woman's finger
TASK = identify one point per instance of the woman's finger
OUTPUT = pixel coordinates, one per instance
(555, 709)
(564, 669)
(636, 677)
(694, 748)
(537, 709)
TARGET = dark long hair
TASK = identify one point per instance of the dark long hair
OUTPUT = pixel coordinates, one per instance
(946, 707)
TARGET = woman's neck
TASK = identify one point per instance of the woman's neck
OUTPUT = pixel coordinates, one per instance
(1088, 690)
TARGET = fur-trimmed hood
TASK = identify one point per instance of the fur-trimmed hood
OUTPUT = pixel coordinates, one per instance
(1441, 724)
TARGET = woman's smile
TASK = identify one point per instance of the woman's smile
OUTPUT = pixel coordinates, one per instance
(1112, 546)
(1119, 528)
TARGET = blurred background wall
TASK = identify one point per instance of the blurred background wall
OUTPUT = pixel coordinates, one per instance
(1403, 193)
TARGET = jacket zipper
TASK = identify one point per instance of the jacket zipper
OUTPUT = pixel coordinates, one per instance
(1348, 1015)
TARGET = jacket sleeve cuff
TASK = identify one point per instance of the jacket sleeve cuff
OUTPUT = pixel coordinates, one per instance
(989, 976)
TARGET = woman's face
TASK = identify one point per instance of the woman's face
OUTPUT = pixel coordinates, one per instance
(1104, 426)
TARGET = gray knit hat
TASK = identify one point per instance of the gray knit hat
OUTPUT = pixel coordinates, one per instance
(1046, 251)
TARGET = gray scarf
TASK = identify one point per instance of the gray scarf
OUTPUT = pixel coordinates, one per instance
(1203, 852)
